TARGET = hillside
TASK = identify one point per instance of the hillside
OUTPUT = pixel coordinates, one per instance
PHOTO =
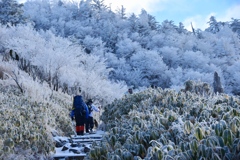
(28, 120)
(165, 124)
(64, 41)
(50, 49)
(153, 123)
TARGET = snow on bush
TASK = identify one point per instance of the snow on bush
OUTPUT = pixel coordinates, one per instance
(165, 124)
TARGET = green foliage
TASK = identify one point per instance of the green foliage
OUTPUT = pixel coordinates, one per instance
(150, 126)
(27, 125)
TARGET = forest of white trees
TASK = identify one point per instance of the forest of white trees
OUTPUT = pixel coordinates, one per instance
(86, 44)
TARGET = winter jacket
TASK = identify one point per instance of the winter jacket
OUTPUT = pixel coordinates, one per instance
(87, 111)
(94, 108)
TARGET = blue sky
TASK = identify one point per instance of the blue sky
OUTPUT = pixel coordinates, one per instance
(186, 11)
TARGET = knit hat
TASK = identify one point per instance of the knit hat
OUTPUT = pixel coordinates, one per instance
(90, 101)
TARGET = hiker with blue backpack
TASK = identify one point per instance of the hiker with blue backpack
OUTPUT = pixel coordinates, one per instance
(79, 113)
(89, 121)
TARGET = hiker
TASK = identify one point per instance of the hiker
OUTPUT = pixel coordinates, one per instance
(90, 122)
(130, 91)
(79, 113)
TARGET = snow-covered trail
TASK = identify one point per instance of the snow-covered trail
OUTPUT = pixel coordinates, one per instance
(75, 146)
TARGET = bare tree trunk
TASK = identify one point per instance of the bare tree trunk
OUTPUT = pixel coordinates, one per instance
(16, 80)
(1, 74)
(193, 30)
(217, 86)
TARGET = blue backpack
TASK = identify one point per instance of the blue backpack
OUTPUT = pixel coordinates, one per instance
(78, 105)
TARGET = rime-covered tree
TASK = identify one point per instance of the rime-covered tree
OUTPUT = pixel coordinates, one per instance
(11, 13)
(99, 5)
(133, 23)
(126, 48)
(144, 23)
(153, 69)
(235, 25)
(86, 11)
(125, 43)
(62, 63)
(214, 25)
(181, 28)
(122, 12)
(39, 13)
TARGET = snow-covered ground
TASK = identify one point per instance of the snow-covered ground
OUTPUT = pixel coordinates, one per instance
(75, 146)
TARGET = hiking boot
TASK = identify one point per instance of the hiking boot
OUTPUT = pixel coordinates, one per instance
(80, 134)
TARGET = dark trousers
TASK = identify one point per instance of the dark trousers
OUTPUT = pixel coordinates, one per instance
(89, 123)
(80, 120)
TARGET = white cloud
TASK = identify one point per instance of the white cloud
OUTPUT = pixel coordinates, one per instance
(233, 12)
(200, 21)
(21, 1)
(134, 6)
